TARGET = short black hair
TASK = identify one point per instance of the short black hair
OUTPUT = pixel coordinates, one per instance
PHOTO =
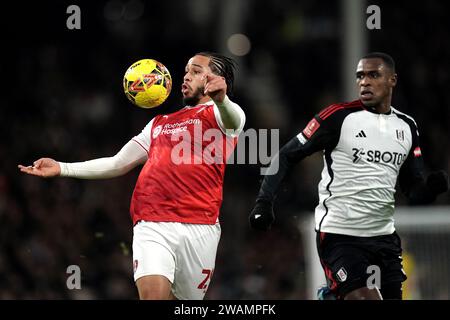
(221, 66)
(387, 59)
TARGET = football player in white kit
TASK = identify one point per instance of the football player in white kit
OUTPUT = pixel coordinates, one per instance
(367, 144)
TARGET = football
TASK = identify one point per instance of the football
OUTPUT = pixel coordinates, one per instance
(147, 83)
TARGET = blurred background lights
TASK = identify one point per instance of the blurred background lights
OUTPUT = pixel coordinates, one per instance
(239, 44)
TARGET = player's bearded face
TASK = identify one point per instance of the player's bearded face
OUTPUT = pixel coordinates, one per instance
(194, 80)
(193, 98)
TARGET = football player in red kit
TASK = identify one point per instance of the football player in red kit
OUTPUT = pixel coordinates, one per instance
(177, 197)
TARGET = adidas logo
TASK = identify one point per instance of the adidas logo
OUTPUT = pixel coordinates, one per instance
(361, 134)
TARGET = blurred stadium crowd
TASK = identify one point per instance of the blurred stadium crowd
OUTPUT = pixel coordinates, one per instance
(63, 98)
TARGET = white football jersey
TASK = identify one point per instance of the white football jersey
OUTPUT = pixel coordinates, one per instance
(363, 154)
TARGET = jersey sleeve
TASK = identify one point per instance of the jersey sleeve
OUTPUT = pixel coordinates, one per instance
(144, 138)
(234, 113)
(321, 133)
(130, 156)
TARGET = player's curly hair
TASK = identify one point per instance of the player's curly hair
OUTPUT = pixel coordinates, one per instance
(222, 66)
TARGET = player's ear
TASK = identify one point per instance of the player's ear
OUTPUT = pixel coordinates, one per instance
(393, 80)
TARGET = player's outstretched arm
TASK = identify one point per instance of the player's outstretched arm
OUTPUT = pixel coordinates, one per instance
(44, 167)
(262, 215)
(324, 136)
(131, 155)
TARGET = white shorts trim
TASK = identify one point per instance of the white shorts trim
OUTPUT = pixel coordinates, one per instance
(183, 253)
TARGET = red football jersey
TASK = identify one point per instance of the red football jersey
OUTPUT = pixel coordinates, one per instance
(183, 176)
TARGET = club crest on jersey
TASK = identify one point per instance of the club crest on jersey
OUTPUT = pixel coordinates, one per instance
(312, 127)
(157, 131)
(341, 274)
(400, 135)
(417, 152)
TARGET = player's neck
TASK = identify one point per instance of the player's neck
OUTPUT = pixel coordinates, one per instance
(383, 108)
(204, 100)
(193, 103)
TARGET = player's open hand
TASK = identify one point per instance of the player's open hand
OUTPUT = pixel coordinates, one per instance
(215, 87)
(262, 216)
(44, 167)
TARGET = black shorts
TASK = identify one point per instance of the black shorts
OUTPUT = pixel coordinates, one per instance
(347, 261)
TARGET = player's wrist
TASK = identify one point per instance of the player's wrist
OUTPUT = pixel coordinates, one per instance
(262, 215)
(63, 169)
